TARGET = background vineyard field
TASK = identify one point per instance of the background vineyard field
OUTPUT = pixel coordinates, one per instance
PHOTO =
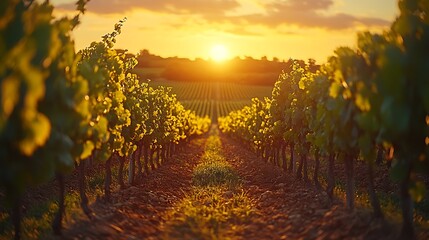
(214, 99)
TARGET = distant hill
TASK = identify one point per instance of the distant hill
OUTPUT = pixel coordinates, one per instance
(237, 70)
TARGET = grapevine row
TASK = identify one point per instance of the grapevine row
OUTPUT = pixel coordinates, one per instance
(372, 98)
(60, 109)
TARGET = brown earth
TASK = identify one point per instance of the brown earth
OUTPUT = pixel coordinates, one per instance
(291, 209)
(138, 211)
(285, 207)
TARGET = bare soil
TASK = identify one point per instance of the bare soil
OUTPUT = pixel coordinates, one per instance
(286, 208)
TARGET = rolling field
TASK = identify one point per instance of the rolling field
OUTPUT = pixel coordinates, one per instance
(214, 99)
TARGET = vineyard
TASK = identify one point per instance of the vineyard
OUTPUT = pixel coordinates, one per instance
(91, 151)
(214, 99)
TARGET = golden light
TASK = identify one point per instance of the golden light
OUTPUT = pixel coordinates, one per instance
(219, 53)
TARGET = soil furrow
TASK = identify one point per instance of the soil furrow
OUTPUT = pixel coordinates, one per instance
(138, 211)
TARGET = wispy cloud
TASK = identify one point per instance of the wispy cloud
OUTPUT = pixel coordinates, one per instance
(310, 13)
(211, 7)
(302, 13)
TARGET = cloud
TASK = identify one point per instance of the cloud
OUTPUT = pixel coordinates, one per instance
(243, 32)
(306, 13)
(311, 19)
(310, 13)
(301, 5)
(301, 13)
(211, 7)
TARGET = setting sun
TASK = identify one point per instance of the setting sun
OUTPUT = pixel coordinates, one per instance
(219, 53)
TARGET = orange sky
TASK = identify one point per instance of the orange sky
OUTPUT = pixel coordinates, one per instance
(274, 28)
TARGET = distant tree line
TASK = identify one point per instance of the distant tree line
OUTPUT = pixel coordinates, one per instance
(240, 70)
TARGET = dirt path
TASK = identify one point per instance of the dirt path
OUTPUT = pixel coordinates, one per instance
(285, 208)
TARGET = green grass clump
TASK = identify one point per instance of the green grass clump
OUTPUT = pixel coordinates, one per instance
(210, 156)
(207, 213)
(214, 143)
(215, 174)
(214, 169)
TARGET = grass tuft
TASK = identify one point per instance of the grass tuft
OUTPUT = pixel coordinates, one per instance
(216, 206)
(207, 213)
(215, 174)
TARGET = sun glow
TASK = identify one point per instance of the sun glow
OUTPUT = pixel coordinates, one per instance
(219, 53)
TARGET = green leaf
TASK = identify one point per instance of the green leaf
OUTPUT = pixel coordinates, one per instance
(334, 89)
(88, 147)
(36, 134)
(362, 103)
